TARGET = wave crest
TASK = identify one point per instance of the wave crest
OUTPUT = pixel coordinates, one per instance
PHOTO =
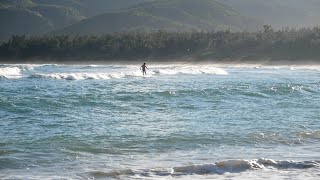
(136, 73)
(115, 173)
(309, 134)
(10, 72)
(83, 76)
(221, 167)
(236, 166)
(191, 70)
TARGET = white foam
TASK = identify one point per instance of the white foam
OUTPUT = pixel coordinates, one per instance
(27, 66)
(73, 76)
(83, 76)
(105, 71)
(14, 71)
(10, 72)
(190, 69)
(272, 67)
(134, 73)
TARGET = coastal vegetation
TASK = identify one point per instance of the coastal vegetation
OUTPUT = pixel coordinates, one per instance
(285, 44)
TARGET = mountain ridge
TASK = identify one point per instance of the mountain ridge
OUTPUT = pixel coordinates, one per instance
(178, 15)
(38, 17)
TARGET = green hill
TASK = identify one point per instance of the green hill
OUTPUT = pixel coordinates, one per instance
(178, 15)
(89, 8)
(21, 21)
(204, 14)
(27, 17)
(36, 17)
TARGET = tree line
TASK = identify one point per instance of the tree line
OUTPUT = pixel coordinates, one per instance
(285, 44)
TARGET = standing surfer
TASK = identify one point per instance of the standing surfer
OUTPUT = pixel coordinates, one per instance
(143, 68)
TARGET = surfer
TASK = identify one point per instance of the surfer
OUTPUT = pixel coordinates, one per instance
(143, 68)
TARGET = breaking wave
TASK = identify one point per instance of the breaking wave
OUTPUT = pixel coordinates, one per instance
(83, 76)
(221, 167)
(236, 166)
(15, 71)
(191, 70)
(10, 72)
(309, 134)
(137, 73)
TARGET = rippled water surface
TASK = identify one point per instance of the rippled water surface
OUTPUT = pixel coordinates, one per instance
(181, 121)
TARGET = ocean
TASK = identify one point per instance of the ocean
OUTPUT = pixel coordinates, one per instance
(180, 121)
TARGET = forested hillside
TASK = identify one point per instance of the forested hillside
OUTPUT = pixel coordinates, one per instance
(36, 17)
(97, 17)
(176, 15)
(19, 21)
(19, 17)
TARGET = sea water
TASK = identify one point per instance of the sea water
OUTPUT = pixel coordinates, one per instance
(180, 121)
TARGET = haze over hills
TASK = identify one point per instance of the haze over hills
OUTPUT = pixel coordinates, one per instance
(38, 17)
(89, 8)
(177, 15)
(280, 13)
(28, 17)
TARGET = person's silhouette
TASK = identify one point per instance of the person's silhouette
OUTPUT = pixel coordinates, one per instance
(143, 68)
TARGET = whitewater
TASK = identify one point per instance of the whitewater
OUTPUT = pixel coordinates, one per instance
(180, 121)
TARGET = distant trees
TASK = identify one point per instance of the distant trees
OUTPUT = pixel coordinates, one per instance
(287, 44)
